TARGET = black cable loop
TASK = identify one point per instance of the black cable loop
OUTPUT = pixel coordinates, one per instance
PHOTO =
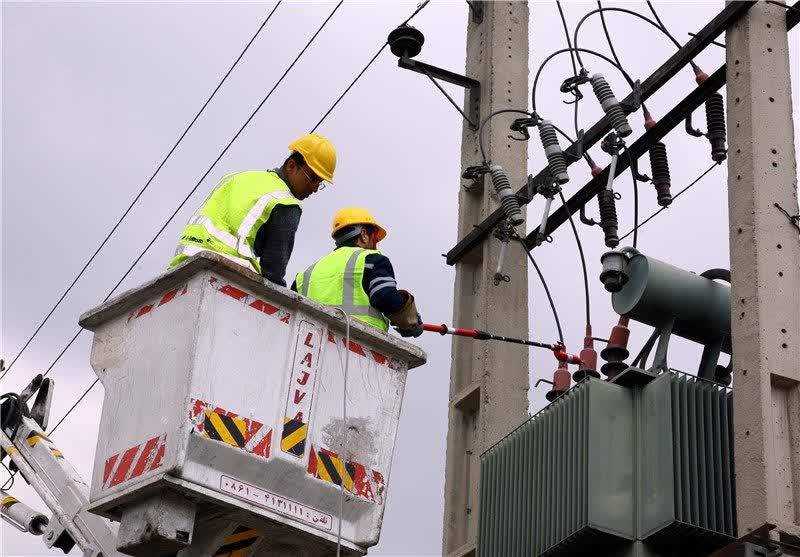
(142, 190)
(584, 153)
(576, 49)
(610, 43)
(663, 27)
(487, 119)
(635, 201)
(621, 10)
(546, 289)
(582, 258)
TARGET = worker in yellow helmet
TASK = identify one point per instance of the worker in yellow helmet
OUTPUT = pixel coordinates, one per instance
(251, 217)
(358, 278)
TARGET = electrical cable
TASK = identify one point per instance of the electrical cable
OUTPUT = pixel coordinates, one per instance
(9, 483)
(674, 197)
(610, 42)
(695, 67)
(663, 27)
(635, 202)
(546, 289)
(486, 120)
(621, 10)
(576, 49)
(572, 59)
(608, 36)
(364, 69)
(582, 258)
(197, 185)
(75, 405)
(142, 190)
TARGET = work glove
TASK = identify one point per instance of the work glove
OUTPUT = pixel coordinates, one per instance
(407, 320)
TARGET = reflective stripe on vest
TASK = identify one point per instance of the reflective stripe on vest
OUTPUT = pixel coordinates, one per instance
(227, 223)
(252, 216)
(349, 286)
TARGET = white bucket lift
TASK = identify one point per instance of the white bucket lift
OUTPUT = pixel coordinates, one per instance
(223, 412)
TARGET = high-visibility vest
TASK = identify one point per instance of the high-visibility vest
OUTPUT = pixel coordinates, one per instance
(336, 280)
(228, 221)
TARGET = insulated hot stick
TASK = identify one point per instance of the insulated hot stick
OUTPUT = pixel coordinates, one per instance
(558, 349)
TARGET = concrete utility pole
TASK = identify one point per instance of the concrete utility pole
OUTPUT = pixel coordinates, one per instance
(488, 381)
(765, 266)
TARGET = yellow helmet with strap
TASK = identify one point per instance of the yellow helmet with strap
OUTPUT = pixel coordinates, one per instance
(318, 152)
(350, 216)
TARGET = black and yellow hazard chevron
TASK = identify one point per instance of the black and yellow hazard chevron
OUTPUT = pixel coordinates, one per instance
(332, 469)
(293, 438)
(34, 437)
(219, 427)
(238, 543)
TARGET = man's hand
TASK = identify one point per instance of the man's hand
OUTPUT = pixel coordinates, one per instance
(413, 330)
(407, 319)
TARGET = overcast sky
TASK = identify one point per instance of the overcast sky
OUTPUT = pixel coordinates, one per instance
(95, 94)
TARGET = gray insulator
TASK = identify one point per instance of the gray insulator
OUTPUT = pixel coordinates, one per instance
(555, 156)
(660, 168)
(610, 104)
(508, 201)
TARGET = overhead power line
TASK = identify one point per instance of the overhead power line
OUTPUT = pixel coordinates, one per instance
(365, 68)
(143, 188)
(197, 185)
(419, 8)
(674, 197)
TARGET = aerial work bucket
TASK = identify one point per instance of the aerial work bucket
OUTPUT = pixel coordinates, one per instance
(223, 405)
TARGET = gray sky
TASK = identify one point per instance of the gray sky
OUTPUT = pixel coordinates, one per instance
(95, 94)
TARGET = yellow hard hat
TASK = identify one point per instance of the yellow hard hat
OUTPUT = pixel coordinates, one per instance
(318, 152)
(355, 215)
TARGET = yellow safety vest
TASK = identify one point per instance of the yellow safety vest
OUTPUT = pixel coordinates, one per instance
(229, 220)
(336, 280)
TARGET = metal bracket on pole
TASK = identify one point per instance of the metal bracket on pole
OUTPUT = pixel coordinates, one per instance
(434, 73)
